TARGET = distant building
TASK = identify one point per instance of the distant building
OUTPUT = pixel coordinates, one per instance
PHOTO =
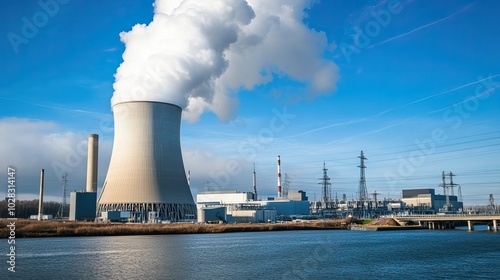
(428, 201)
(215, 214)
(82, 206)
(298, 195)
(43, 217)
(241, 206)
(253, 216)
(224, 197)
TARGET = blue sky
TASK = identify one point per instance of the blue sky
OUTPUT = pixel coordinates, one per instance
(416, 91)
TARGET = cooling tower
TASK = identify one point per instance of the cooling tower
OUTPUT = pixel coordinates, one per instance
(146, 173)
(93, 148)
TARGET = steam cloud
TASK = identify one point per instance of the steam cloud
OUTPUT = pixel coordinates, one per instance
(199, 54)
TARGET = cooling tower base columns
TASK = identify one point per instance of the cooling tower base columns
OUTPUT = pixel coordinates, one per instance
(141, 212)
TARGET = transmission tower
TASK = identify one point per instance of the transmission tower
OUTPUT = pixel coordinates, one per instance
(286, 186)
(375, 194)
(62, 206)
(362, 190)
(492, 206)
(325, 188)
(452, 185)
(445, 186)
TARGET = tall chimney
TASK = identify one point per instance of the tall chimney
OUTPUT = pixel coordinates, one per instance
(279, 177)
(254, 183)
(40, 199)
(93, 148)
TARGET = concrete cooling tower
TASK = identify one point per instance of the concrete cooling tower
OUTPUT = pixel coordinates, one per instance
(146, 175)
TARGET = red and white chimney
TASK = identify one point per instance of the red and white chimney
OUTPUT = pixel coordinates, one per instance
(279, 177)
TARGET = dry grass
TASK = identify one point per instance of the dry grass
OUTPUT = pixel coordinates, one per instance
(31, 228)
(385, 222)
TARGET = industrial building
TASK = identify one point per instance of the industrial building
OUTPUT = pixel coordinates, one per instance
(253, 216)
(146, 175)
(215, 214)
(427, 200)
(241, 206)
(82, 206)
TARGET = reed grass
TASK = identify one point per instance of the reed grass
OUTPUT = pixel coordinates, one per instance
(32, 228)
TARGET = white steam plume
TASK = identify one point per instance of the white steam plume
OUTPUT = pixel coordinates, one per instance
(198, 54)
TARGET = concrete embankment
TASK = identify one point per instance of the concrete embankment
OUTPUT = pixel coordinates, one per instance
(30, 228)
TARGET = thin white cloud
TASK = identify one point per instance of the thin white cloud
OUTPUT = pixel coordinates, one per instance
(422, 27)
(339, 124)
(97, 114)
(449, 91)
(486, 92)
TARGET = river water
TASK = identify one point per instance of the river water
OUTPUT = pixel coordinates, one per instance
(320, 254)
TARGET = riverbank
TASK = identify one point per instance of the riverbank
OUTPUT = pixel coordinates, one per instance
(384, 228)
(32, 228)
(384, 225)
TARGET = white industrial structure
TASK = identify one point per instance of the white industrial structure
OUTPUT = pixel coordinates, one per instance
(428, 200)
(242, 207)
(146, 173)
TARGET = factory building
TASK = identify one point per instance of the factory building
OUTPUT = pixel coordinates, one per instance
(215, 214)
(224, 197)
(146, 175)
(253, 216)
(241, 206)
(82, 206)
(427, 200)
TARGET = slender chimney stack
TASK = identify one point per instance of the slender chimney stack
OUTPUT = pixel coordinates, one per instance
(40, 199)
(279, 177)
(254, 183)
(93, 148)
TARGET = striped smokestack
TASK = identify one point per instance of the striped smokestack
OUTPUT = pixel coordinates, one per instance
(279, 177)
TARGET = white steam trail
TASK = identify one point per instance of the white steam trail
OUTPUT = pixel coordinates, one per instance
(199, 54)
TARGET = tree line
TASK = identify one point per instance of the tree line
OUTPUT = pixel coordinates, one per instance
(26, 208)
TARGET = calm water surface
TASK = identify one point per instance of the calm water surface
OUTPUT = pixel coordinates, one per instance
(421, 254)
